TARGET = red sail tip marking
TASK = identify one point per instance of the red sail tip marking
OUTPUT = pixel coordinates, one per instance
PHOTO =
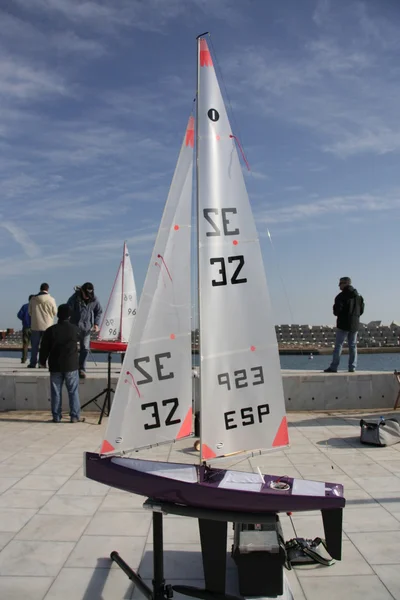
(252, 348)
(176, 227)
(282, 435)
(106, 447)
(218, 137)
(172, 336)
(186, 427)
(189, 138)
(235, 242)
(205, 56)
(207, 452)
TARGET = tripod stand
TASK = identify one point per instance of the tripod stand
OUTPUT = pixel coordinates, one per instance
(105, 409)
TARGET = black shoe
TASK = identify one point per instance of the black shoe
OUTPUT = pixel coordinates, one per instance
(31, 367)
(352, 370)
(55, 420)
(80, 420)
(82, 374)
(330, 370)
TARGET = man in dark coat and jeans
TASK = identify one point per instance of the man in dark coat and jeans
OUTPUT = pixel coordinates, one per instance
(348, 308)
(24, 316)
(60, 346)
(86, 313)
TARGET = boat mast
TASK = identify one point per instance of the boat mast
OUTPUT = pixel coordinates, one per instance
(122, 292)
(198, 219)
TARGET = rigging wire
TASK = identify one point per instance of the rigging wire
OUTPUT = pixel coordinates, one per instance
(280, 275)
(232, 116)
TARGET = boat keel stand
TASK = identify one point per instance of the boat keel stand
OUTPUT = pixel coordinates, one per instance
(213, 537)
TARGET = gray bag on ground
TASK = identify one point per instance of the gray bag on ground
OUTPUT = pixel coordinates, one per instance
(384, 432)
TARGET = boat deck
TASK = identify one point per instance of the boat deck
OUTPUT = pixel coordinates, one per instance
(57, 528)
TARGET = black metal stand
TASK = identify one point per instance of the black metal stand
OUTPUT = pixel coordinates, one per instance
(213, 537)
(160, 591)
(105, 409)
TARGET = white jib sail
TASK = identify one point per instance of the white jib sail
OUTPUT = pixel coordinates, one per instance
(242, 402)
(129, 297)
(153, 399)
(122, 305)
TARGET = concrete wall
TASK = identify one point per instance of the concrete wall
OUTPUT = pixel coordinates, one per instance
(31, 392)
(340, 391)
(304, 390)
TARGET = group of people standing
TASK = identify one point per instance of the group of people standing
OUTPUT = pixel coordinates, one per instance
(58, 344)
(82, 313)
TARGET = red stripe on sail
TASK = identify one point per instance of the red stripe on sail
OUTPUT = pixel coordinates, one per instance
(189, 140)
(282, 435)
(205, 56)
(106, 447)
(186, 427)
(207, 452)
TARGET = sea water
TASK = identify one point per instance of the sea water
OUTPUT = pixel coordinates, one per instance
(366, 362)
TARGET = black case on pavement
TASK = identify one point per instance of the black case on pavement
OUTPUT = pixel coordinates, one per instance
(259, 554)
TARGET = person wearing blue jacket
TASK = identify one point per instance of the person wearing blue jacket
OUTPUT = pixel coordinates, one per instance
(24, 316)
(86, 313)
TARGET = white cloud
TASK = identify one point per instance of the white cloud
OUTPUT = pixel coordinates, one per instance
(381, 140)
(145, 15)
(22, 238)
(21, 80)
(293, 188)
(321, 11)
(87, 252)
(332, 205)
(343, 88)
(70, 43)
(254, 174)
(40, 42)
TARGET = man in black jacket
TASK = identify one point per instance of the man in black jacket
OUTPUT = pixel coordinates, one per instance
(348, 308)
(86, 313)
(60, 347)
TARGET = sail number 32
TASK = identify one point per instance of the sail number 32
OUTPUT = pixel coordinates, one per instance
(171, 404)
(220, 226)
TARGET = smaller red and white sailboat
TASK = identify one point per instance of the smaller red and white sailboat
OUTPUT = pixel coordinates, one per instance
(121, 310)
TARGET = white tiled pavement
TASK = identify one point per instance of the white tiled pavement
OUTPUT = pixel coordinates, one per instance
(57, 528)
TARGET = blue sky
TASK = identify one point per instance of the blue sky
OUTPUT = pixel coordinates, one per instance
(94, 100)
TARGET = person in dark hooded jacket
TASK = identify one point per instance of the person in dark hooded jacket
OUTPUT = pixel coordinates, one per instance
(348, 308)
(86, 313)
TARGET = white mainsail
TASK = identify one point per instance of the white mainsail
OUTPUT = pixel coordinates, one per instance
(153, 399)
(122, 305)
(242, 402)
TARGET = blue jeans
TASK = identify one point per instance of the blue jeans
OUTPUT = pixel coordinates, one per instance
(36, 336)
(71, 379)
(352, 341)
(84, 343)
